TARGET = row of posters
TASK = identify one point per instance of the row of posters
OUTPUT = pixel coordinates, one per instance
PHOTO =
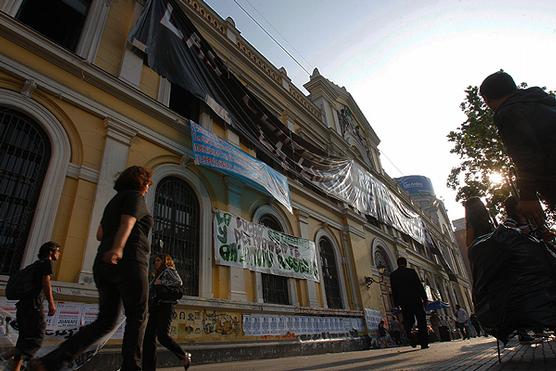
(278, 325)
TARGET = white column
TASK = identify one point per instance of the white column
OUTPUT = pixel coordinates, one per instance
(114, 160)
(237, 275)
(10, 6)
(303, 220)
(235, 189)
(93, 29)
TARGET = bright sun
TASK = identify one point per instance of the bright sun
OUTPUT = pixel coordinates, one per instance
(496, 178)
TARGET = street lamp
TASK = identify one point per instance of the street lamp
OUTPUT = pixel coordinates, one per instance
(369, 280)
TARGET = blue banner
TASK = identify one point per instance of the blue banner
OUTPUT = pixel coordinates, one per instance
(211, 151)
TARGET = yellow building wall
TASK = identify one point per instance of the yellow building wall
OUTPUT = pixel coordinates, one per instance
(77, 231)
(150, 82)
(112, 45)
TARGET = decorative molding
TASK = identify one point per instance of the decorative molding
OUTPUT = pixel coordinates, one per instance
(94, 107)
(11, 7)
(323, 233)
(49, 199)
(92, 29)
(82, 172)
(380, 244)
(164, 91)
(28, 87)
(205, 233)
(119, 131)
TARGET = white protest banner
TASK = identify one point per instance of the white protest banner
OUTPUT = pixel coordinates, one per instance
(240, 243)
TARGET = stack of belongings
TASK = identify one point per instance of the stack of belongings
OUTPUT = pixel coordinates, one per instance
(514, 282)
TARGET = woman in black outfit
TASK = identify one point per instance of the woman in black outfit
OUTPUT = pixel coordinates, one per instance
(120, 271)
(164, 292)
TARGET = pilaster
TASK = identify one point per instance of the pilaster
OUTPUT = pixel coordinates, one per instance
(114, 160)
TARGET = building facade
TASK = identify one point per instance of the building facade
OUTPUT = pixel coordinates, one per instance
(79, 105)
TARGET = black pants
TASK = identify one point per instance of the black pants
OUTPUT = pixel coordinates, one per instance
(158, 326)
(462, 327)
(126, 283)
(410, 313)
(31, 326)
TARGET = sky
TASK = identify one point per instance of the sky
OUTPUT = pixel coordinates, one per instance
(406, 63)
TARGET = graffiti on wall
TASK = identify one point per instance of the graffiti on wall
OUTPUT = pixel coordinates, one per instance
(195, 323)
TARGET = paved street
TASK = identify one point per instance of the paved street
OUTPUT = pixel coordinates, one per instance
(474, 354)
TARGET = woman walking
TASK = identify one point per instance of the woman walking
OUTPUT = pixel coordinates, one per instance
(120, 271)
(164, 292)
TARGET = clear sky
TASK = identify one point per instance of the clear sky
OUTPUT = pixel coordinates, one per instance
(406, 63)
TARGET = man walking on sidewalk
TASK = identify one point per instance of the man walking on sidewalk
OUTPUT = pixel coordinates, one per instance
(461, 322)
(408, 293)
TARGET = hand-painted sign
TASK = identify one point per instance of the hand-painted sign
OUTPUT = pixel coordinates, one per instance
(239, 243)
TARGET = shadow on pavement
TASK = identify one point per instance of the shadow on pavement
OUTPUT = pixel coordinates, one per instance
(355, 360)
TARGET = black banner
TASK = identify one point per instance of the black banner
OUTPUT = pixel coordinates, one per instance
(176, 51)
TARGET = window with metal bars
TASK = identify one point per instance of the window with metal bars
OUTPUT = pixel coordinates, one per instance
(330, 274)
(24, 158)
(176, 225)
(59, 20)
(275, 288)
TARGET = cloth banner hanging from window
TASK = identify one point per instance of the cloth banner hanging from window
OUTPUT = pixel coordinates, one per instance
(211, 151)
(243, 244)
(176, 50)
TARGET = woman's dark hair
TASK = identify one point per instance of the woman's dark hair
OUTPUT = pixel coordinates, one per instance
(167, 262)
(47, 247)
(477, 217)
(134, 178)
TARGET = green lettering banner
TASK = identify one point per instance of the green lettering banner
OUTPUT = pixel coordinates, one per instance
(243, 244)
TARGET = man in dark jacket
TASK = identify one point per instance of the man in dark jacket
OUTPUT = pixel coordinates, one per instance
(526, 121)
(408, 293)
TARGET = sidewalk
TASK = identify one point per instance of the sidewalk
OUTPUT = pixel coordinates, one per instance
(474, 354)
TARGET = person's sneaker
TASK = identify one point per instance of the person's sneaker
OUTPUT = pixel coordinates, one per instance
(425, 347)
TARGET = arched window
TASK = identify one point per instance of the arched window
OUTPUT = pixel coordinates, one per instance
(381, 259)
(24, 157)
(275, 288)
(176, 224)
(330, 274)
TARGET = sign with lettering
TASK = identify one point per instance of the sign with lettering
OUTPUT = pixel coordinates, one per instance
(240, 243)
(211, 151)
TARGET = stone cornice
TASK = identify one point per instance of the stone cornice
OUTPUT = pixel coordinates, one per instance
(26, 38)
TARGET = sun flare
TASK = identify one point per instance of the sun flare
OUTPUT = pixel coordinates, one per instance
(496, 178)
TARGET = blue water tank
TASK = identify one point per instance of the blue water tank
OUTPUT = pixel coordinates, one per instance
(416, 185)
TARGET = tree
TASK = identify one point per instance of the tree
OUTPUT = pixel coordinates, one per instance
(485, 169)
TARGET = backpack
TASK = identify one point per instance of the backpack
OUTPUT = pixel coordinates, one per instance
(21, 284)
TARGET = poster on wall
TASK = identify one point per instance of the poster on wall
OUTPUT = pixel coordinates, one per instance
(372, 318)
(66, 322)
(243, 244)
(279, 325)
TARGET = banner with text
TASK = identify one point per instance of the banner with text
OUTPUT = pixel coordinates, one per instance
(209, 150)
(239, 243)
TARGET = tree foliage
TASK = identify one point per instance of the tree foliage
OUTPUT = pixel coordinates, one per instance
(482, 155)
